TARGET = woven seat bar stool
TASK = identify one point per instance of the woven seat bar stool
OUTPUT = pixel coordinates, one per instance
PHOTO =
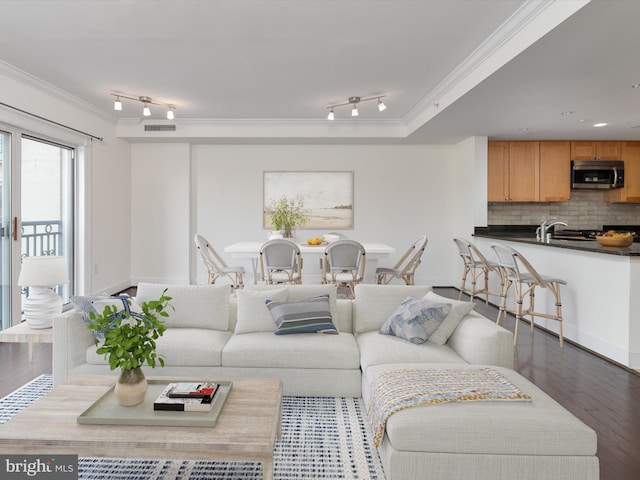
(406, 267)
(517, 271)
(476, 265)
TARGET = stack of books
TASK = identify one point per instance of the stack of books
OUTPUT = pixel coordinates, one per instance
(187, 397)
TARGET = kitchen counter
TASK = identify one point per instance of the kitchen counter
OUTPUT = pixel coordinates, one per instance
(586, 245)
(599, 303)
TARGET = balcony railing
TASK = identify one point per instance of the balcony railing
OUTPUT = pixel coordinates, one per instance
(41, 237)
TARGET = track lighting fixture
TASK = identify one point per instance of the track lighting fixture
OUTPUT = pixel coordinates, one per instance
(354, 101)
(146, 102)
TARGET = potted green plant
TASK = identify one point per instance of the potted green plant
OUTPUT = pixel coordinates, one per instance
(130, 342)
(287, 214)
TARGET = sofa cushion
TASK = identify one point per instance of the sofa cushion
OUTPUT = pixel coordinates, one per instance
(252, 312)
(415, 319)
(305, 350)
(375, 303)
(540, 427)
(311, 315)
(86, 305)
(376, 349)
(182, 347)
(298, 293)
(194, 306)
(458, 311)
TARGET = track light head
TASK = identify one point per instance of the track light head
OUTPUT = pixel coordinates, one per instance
(354, 111)
(331, 115)
(381, 106)
(117, 105)
(170, 114)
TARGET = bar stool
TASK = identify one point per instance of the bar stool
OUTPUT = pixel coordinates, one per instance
(476, 264)
(517, 271)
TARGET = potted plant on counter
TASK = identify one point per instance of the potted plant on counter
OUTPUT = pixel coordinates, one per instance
(287, 214)
(130, 342)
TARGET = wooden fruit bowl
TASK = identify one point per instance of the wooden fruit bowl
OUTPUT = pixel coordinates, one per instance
(615, 241)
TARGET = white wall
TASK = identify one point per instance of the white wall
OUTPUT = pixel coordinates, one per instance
(104, 245)
(400, 193)
(160, 202)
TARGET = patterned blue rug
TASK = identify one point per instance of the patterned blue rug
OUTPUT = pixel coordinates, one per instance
(322, 438)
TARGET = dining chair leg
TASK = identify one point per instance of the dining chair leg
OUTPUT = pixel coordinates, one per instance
(486, 286)
(464, 281)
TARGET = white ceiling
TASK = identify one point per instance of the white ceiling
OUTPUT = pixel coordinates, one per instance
(450, 69)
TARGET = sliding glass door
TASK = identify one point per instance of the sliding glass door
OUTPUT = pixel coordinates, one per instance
(5, 229)
(36, 191)
(46, 203)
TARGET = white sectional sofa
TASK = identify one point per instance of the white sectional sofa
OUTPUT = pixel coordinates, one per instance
(211, 333)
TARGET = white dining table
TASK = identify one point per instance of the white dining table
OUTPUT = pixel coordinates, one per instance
(250, 251)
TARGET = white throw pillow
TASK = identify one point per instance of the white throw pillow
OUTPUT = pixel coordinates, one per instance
(194, 306)
(447, 327)
(253, 314)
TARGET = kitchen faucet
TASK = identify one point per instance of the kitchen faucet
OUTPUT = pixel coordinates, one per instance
(542, 232)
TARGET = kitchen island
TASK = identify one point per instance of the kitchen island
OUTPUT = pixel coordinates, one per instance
(601, 301)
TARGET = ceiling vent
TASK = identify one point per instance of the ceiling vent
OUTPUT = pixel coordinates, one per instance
(159, 128)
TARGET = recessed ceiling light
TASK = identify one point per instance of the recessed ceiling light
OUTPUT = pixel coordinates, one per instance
(568, 112)
(603, 124)
(523, 129)
(636, 85)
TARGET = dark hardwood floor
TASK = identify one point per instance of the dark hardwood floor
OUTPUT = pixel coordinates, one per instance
(603, 395)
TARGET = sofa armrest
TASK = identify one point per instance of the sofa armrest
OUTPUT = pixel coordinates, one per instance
(71, 338)
(480, 341)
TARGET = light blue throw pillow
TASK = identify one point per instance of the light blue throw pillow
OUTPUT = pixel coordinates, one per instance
(416, 319)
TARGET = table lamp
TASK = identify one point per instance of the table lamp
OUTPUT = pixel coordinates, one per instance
(41, 274)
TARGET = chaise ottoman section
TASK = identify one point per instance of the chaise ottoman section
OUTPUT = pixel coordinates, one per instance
(486, 439)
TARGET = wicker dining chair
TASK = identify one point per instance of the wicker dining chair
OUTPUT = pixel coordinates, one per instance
(343, 264)
(280, 262)
(406, 267)
(216, 267)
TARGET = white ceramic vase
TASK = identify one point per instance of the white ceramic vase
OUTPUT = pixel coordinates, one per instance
(131, 387)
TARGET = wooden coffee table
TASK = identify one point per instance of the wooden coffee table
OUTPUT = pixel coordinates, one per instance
(246, 429)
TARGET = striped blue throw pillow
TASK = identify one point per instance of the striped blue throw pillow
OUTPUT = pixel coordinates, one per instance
(307, 316)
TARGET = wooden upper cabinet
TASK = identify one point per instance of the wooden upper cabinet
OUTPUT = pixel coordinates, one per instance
(555, 171)
(498, 172)
(631, 190)
(512, 172)
(524, 171)
(596, 150)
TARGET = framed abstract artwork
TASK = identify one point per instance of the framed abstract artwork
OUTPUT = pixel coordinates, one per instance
(327, 197)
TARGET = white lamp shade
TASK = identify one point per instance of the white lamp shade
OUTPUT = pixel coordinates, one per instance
(43, 271)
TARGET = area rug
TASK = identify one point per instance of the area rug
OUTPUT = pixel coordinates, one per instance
(322, 438)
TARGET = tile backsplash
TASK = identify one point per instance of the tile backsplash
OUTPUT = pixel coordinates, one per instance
(586, 209)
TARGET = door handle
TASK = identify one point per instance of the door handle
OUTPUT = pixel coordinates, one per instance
(15, 229)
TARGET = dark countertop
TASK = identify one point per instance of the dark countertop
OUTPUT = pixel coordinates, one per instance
(526, 235)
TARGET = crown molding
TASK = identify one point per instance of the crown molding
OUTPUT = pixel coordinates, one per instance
(529, 23)
(25, 78)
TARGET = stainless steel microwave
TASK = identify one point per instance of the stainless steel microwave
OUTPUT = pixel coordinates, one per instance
(597, 174)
